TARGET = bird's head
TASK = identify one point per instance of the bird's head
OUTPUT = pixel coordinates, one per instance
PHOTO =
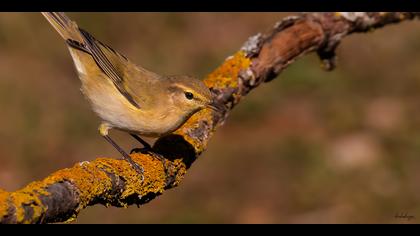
(190, 95)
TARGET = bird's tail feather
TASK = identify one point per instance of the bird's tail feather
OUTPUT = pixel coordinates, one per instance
(67, 28)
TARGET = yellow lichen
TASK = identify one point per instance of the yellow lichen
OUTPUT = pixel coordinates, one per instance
(28, 199)
(227, 74)
(88, 179)
(3, 203)
(182, 170)
(193, 123)
(154, 176)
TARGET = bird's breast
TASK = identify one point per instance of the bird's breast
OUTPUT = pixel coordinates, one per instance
(113, 108)
(151, 123)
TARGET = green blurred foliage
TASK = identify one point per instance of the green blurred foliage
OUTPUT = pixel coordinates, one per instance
(309, 147)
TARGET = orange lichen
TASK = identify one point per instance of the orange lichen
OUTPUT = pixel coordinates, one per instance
(29, 199)
(182, 170)
(193, 123)
(154, 176)
(90, 181)
(227, 74)
(4, 207)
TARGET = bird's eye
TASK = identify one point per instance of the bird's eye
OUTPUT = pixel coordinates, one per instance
(189, 95)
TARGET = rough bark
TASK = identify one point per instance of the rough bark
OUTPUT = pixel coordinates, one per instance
(63, 194)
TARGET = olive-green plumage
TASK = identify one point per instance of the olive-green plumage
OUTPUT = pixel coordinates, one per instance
(126, 96)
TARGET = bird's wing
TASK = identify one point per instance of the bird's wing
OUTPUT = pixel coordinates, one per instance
(126, 76)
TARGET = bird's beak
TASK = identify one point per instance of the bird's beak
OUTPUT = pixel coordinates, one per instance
(215, 106)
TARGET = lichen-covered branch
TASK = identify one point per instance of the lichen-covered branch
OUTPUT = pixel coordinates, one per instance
(62, 195)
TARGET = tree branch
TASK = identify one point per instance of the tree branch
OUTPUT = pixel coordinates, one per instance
(62, 195)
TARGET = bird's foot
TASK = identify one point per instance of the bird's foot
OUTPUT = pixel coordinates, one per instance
(139, 169)
(126, 157)
(154, 155)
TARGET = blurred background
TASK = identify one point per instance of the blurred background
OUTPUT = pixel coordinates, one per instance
(309, 147)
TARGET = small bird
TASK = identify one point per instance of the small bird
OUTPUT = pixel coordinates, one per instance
(126, 96)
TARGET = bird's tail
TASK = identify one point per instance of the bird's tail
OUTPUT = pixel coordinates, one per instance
(67, 28)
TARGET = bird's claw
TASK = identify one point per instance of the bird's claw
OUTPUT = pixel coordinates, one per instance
(139, 169)
(154, 155)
